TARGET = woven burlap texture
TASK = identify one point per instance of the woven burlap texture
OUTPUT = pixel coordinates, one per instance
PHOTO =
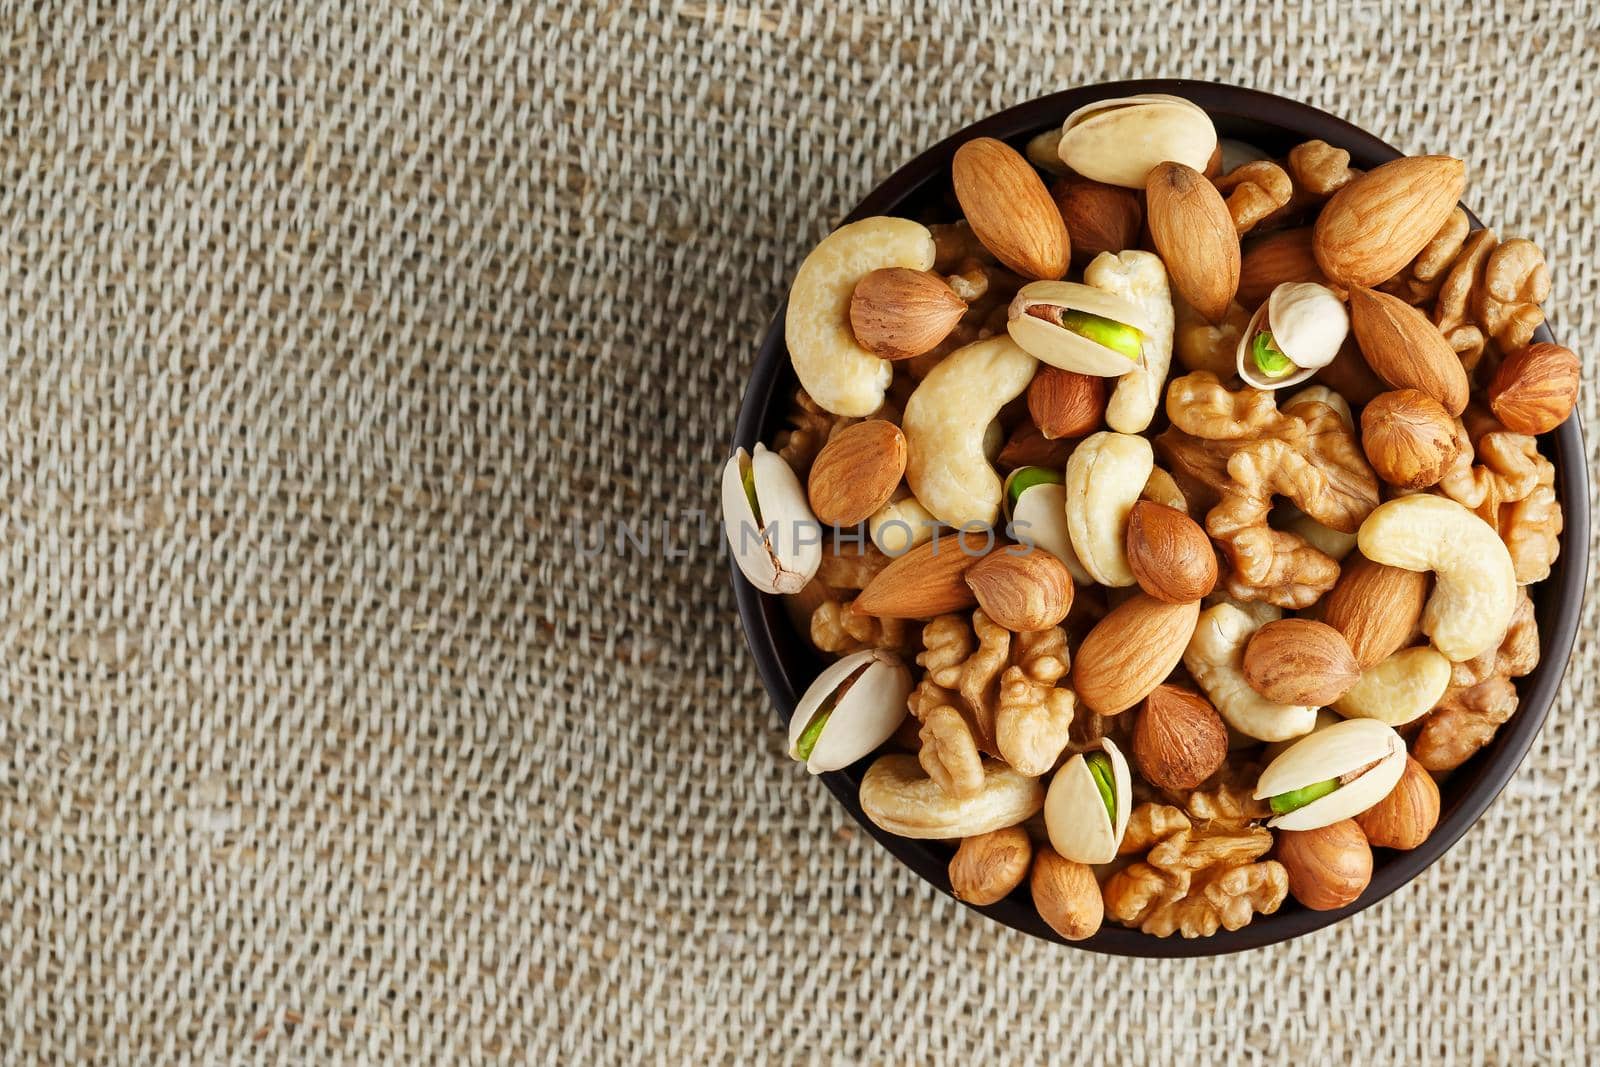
(322, 323)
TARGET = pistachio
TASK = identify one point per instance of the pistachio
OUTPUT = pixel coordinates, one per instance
(775, 538)
(1039, 518)
(1120, 141)
(1335, 773)
(1022, 479)
(1297, 331)
(852, 708)
(1086, 810)
(1079, 328)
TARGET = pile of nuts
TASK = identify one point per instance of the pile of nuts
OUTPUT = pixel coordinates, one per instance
(1175, 588)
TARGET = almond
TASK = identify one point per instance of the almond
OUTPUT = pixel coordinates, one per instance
(1029, 447)
(1405, 349)
(929, 580)
(1191, 228)
(1009, 208)
(856, 472)
(1270, 261)
(1169, 554)
(1376, 608)
(898, 313)
(1064, 403)
(1377, 223)
(1131, 651)
(986, 868)
(1409, 438)
(1179, 740)
(1405, 817)
(1066, 895)
(1535, 388)
(1099, 217)
(1298, 661)
(1026, 592)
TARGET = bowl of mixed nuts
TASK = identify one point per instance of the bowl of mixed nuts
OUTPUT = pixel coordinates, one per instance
(1159, 516)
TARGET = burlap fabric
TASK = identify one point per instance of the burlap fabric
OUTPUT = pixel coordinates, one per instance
(320, 742)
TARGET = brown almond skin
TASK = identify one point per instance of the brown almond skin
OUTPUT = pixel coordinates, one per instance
(1192, 230)
(898, 313)
(1376, 224)
(1066, 404)
(1099, 217)
(1329, 867)
(1067, 895)
(1029, 447)
(928, 580)
(986, 868)
(1535, 388)
(1022, 592)
(1169, 554)
(1406, 350)
(1299, 661)
(1409, 438)
(856, 472)
(1131, 651)
(1009, 208)
(1404, 819)
(1270, 261)
(1179, 740)
(1376, 608)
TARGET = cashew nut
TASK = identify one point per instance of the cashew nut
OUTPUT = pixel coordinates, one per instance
(1324, 539)
(1139, 278)
(901, 525)
(900, 798)
(1215, 659)
(945, 421)
(1476, 590)
(1400, 689)
(1321, 394)
(1105, 476)
(841, 376)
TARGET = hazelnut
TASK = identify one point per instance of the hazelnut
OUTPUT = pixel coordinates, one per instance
(1404, 819)
(1064, 403)
(1409, 438)
(1298, 661)
(1328, 867)
(897, 312)
(1178, 740)
(1535, 388)
(1170, 555)
(988, 867)
(1099, 217)
(1023, 593)
(1067, 895)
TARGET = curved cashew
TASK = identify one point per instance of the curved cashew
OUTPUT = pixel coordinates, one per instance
(1324, 539)
(901, 525)
(1215, 659)
(1105, 476)
(1476, 590)
(945, 421)
(841, 376)
(1139, 278)
(1402, 688)
(900, 798)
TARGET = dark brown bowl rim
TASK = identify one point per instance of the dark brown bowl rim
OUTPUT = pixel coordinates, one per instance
(786, 666)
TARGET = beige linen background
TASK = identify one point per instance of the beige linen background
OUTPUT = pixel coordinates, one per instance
(319, 742)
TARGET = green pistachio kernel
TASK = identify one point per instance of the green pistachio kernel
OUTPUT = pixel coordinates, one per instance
(813, 730)
(749, 479)
(1100, 768)
(1026, 478)
(1119, 337)
(1295, 799)
(1269, 358)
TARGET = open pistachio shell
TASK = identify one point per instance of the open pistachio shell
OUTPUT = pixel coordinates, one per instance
(1332, 752)
(781, 552)
(1062, 348)
(1075, 814)
(1308, 324)
(1120, 141)
(1040, 516)
(862, 717)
